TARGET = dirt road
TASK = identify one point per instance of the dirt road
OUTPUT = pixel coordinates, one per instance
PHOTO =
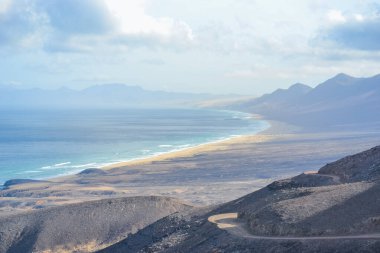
(230, 223)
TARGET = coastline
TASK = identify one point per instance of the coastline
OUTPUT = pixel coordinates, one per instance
(222, 144)
(158, 155)
(203, 147)
(275, 128)
(193, 151)
(207, 174)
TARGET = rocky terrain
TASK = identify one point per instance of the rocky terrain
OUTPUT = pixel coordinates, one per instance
(334, 210)
(82, 227)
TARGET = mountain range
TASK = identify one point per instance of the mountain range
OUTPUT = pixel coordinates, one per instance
(99, 96)
(341, 100)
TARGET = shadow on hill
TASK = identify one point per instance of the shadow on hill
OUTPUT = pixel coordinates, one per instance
(357, 215)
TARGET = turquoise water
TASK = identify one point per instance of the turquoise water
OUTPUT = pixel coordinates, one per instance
(43, 144)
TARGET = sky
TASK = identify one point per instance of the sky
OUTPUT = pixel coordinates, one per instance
(247, 47)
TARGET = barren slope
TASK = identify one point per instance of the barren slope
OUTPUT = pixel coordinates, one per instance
(85, 227)
(343, 209)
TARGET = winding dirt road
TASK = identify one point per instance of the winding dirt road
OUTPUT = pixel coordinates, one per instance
(230, 223)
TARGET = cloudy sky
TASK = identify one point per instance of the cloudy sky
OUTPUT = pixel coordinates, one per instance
(220, 46)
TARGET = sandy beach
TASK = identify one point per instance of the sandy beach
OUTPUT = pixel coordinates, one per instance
(193, 151)
(262, 136)
(274, 130)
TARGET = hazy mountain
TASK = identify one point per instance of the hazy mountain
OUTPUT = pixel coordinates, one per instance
(283, 95)
(340, 100)
(99, 96)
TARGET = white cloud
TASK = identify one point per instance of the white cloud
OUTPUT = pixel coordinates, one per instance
(203, 44)
(70, 25)
(134, 21)
(359, 17)
(352, 32)
(4, 5)
(336, 16)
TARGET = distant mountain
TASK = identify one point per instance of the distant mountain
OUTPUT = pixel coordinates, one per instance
(283, 95)
(340, 100)
(99, 96)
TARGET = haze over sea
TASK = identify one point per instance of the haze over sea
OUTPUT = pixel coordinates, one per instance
(40, 144)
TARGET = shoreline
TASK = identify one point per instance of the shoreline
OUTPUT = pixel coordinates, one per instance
(208, 174)
(274, 128)
(160, 156)
(258, 137)
(209, 147)
(193, 151)
(214, 145)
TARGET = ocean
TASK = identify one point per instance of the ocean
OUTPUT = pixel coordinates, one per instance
(40, 144)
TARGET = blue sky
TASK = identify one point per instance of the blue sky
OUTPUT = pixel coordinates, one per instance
(218, 46)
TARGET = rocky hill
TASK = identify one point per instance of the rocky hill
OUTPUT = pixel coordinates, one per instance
(334, 210)
(82, 227)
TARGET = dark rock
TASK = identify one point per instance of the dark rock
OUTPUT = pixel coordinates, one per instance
(92, 171)
(21, 181)
(364, 166)
(303, 180)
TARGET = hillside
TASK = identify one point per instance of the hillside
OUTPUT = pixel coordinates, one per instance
(82, 227)
(334, 209)
(339, 101)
